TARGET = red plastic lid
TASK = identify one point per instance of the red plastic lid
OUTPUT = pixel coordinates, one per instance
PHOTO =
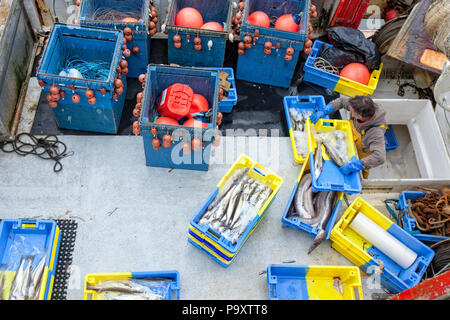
(175, 101)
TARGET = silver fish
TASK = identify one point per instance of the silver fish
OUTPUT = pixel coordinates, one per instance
(16, 287)
(118, 285)
(234, 180)
(235, 197)
(318, 161)
(237, 211)
(299, 198)
(142, 296)
(337, 284)
(308, 198)
(36, 277)
(223, 205)
(325, 213)
(26, 280)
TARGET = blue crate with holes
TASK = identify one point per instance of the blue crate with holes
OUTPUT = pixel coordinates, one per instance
(35, 241)
(409, 223)
(97, 47)
(390, 139)
(181, 153)
(230, 100)
(211, 50)
(118, 15)
(256, 65)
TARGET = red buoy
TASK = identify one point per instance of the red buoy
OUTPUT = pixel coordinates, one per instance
(199, 104)
(212, 26)
(195, 123)
(189, 17)
(356, 72)
(167, 120)
(175, 101)
(286, 23)
(259, 18)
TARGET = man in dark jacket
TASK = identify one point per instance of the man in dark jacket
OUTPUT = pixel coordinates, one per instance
(369, 127)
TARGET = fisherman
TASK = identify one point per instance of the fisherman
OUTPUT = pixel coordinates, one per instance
(368, 126)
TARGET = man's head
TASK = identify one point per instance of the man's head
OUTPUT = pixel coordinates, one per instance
(362, 107)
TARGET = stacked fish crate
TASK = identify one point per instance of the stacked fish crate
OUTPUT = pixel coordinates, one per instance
(233, 210)
(28, 256)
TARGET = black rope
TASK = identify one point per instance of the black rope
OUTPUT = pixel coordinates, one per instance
(47, 148)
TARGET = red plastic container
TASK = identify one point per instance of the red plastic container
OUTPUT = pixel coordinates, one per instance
(175, 102)
(349, 13)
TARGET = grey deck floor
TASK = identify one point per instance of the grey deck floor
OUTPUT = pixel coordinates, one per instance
(135, 218)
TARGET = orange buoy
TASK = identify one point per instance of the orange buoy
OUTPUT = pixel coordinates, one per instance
(89, 93)
(138, 106)
(199, 104)
(198, 47)
(92, 100)
(156, 143)
(76, 98)
(54, 89)
(189, 17)
(356, 72)
(129, 37)
(154, 131)
(125, 71)
(167, 120)
(212, 26)
(118, 83)
(177, 45)
(63, 94)
(139, 96)
(167, 140)
(142, 77)
(136, 112)
(195, 123)
(196, 144)
(186, 146)
(176, 38)
(307, 50)
(290, 51)
(129, 19)
(216, 141)
(288, 57)
(127, 53)
(127, 31)
(241, 52)
(219, 118)
(56, 97)
(287, 22)
(259, 18)
(267, 51)
(135, 49)
(268, 45)
(119, 90)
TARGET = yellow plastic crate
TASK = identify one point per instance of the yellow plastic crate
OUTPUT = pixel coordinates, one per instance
(210, 241)
(352, 88)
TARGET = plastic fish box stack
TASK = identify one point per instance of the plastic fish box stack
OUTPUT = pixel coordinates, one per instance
(272, 69)
(296, 223)
(203, 237)
(158, 79)
(302, 104)
(91, 13)
(331, 177)
(90, 45)
(333, 81)
(409, 222)
(228, 102)
(372, 260)
(173, 292)
(311, 282)
(28, 238)
(213, 43)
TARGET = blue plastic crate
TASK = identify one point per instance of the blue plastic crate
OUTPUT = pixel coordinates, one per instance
(91, 45)
(213, 56)
(174, 276)
(20, 237)
(202, 81)
(317, 76)
(137, 63)
(409, 223)
(390, 139)
(272, 69)
(227, 104)
(296, 223)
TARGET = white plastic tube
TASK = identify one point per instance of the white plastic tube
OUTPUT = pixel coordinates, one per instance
(383, 241)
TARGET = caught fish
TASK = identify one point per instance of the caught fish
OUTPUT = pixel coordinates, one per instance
(233, 201)
(2, 281)
(326, 207)
(334, 154)
(318, 161)
(16, 287)
(308, 202)
(337, 285)
(146, 296)
(320, 198)
(234, 180)
(125, 286)
(26, 280)
(36, 277)
(299, 203)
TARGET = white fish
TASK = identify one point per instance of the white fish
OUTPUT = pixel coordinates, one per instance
(318, 161)
(26, 280)
(36, 277)
(16, 287)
